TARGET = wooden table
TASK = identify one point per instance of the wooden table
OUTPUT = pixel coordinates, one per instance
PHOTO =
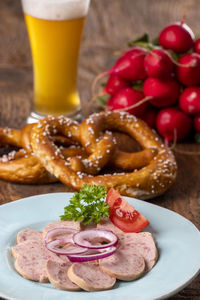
(110, 24)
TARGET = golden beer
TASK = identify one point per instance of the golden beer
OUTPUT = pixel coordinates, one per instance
(55, 44)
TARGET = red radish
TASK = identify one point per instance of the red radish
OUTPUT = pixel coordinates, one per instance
(189, 100)
(130, 66)
(114, 84)
(177, 37)
(163, 92)
(172, 123)
(197, 123)
(197, 46)
(125, 98)
(150, 117)
(188, 69)
(158, 63)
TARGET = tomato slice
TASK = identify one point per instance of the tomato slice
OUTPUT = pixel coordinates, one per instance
(123, 215)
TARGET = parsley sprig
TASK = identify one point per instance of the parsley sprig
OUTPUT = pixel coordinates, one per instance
(88, 205)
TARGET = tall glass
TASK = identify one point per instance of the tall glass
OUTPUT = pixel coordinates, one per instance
(55, 29)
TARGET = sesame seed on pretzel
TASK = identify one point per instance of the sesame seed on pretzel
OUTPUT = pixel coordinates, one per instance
(149, 181)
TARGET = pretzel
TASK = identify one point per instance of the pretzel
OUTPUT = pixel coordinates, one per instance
(26, 143)
(22, 166)
(91, 130)
(150, 181)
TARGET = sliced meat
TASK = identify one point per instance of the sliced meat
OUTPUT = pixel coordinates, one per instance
(57, 274)
(32, 269)
(143, 243)
(108, 225)
(28, 234)
(124, 266)
(90, 277)
(62, 224)
(31, 257)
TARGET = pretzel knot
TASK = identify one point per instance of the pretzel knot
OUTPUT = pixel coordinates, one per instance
(156, 163)
(22, 166)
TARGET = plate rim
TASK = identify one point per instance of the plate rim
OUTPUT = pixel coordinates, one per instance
(166, 295)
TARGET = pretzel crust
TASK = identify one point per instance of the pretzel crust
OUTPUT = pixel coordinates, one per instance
(22, 166)
(150, 181)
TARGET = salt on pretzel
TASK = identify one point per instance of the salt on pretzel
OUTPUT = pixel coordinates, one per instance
(11, 137)
(26, 143)
(91, 130)
(22, 166)
(150, 181)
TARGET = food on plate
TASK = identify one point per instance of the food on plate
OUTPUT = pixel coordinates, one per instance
(58, 275)
(65, 224)
(28, 234)
(108, 225)
(92, 149)
(88, 205)
(170, 65)
(35, 262)
(123, 215)
(123, 266)
(72, 257)
(31, 257)
(90, 277)
(143, 243)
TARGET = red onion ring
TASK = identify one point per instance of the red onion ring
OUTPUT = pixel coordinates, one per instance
(84, 250)
(83, 238)
(89, 257)
(51, 233)
(51, 246)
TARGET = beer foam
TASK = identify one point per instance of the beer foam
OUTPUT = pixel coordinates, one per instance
(56, 9)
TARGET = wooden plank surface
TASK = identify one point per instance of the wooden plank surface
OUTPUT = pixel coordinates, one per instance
(110, 24)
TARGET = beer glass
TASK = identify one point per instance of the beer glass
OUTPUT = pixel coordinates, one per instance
(55, 29)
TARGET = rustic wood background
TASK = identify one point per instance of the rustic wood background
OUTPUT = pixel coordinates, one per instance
(109, 26)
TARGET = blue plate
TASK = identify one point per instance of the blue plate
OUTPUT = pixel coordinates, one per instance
(178, 241)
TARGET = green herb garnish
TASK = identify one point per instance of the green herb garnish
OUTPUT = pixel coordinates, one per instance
(88, 205)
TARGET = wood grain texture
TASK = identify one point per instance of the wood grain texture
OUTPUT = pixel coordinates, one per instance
(109, 26)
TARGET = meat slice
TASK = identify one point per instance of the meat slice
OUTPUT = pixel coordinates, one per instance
(31, 257)
(124, 266)
(57, 274)
(142, 243)
(108, 225)
(90, 277)
(62, 224)
(28, 234)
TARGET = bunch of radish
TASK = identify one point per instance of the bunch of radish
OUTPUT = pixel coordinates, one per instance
(159, 82)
